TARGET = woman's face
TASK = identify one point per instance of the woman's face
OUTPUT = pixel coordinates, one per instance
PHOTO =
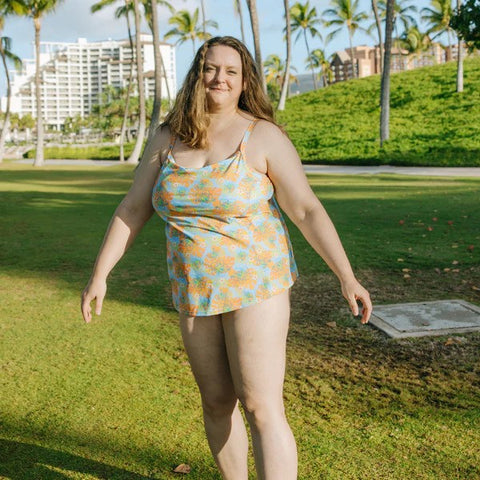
(223, 76)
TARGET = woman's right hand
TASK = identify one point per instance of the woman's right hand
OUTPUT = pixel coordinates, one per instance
(95, 290)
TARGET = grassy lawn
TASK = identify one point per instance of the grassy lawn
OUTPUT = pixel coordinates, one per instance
(116, 400)
(430, 123)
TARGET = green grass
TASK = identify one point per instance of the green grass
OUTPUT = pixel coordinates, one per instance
(430, 124)
(116, 400)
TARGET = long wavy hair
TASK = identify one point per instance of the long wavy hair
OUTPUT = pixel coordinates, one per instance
(189, 119)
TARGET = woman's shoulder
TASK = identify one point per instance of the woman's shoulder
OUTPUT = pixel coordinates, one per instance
(268, 131)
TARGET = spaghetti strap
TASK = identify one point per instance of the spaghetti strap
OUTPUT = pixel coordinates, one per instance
(173, 139)
(246, 135)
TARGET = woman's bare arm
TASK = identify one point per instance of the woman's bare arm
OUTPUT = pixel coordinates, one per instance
(128, 220)
(302, 206)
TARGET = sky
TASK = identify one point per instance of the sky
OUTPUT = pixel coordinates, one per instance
(72, 19)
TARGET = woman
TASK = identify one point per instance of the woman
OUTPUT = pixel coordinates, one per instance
(213, 168)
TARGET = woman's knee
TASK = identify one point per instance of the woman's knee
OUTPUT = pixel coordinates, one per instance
(218, 403)
(261, 411)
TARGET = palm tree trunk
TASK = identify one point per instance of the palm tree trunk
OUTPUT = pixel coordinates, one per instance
(129, 88)
(204, 24)
(308, 54)
(240, 14)
(252, 8)
(286, 74)
(379, 30)
(134, 157)
(459, 57)
(164, 74)
(385, 85)
(39, 158)
(6, 122)
(350, 39)
(449, 47)
(157, 99)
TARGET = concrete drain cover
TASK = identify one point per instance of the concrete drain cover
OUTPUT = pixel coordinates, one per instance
(426, 318)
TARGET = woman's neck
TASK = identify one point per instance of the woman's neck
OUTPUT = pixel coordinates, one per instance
(221, 116)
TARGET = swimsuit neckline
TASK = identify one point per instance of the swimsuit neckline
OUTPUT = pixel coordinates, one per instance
(229, 159)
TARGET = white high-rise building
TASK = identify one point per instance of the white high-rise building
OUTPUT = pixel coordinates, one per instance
(74, 75)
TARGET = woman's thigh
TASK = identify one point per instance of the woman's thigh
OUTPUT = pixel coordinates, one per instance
(255, 338)
(204, 342)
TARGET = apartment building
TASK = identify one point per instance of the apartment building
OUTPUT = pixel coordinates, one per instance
(74, 76)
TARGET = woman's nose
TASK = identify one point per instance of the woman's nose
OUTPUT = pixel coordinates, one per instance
(220, 75)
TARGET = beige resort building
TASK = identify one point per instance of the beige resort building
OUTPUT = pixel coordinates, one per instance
(367, 60)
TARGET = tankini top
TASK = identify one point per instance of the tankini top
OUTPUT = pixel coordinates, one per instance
(227, 243)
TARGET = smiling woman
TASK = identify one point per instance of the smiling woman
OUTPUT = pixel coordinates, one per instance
(217, 171)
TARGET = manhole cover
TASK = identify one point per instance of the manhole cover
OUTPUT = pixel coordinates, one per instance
(426, 318)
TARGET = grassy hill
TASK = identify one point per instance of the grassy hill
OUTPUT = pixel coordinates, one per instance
(430, 124)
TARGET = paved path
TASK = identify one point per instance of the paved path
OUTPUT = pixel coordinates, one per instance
(369, 170)
(320, 169)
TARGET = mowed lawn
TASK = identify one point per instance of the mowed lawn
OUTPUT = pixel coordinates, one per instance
(115, 399)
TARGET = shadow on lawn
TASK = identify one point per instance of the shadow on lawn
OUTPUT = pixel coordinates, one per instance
(25, 461)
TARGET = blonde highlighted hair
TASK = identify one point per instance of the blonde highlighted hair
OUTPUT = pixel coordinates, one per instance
(189, 120)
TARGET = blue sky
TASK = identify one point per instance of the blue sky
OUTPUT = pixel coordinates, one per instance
(72, 19)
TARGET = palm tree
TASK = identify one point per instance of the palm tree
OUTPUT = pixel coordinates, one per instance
(6, 54)
(304, 19)
(288, 42)
(459, 56)
(204, 23)
(252, 8)
(415, 42)
(37, 9)
(135, 155)
(402, 13)
(151, 15)
(122, 11)
(379, 31)
(318, 59)
(345, 13)
(439, 16)
(187, 28)
(385, 84)
(237, 6)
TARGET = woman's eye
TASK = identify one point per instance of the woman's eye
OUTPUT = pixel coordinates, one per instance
(232, 72)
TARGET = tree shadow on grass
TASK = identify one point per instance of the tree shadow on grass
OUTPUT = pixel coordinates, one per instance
(25, 461)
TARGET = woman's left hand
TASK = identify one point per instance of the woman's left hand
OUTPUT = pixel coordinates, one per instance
(353, 291)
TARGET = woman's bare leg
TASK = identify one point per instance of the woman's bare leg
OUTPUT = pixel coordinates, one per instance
(255, 337)
(203, 338)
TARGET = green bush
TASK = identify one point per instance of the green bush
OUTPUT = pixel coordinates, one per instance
(105, 152)
(430, 124)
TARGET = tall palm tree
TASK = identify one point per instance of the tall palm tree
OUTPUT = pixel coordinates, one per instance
(402, 13)
(345, 13)
(379, 31)
(6, 54)
(237, 7)
(305, 20)
(385, 83)
(151, 15)
(137, 149)
(288, 44)
(459, 57)
(37, 9)
(187, 28)
(204, 23)
(318, 60)
(252, 8)
(122, 11)
(438, 15)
